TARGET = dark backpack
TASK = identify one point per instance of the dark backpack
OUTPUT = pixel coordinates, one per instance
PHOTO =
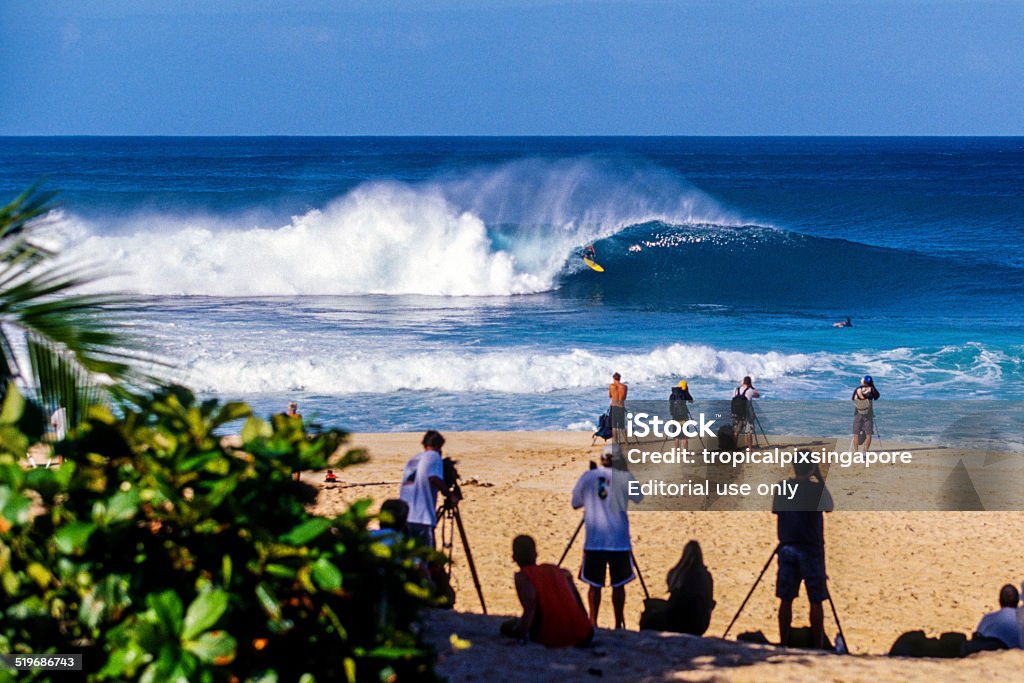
(604, 427)
(740, 407)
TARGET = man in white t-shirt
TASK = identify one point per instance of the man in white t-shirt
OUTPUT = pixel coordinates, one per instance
(422, 478)
(603, 493)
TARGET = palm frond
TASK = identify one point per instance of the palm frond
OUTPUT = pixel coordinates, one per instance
(77, 345)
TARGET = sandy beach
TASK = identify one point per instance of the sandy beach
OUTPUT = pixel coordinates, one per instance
(890, 572)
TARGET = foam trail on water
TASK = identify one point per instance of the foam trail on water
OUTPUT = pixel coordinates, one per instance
(502, 231)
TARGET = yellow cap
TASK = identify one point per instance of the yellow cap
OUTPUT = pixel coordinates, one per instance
(682, 384)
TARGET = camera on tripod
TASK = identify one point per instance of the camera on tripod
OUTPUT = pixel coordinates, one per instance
(451, 482)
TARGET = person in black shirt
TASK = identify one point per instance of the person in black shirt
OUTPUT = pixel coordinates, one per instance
(802, 548)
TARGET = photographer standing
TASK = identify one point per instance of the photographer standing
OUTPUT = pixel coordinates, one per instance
(422, 478)
(603, 493)
(864, 398)
(801, 531)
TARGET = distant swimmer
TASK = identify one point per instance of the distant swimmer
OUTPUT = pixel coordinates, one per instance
(843, 323)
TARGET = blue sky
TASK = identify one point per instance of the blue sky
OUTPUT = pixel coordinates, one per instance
(455, 67)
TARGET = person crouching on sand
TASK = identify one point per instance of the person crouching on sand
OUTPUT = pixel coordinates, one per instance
(553, 613)
(603, 493)
(691, 597)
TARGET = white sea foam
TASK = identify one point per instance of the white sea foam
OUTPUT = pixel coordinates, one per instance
(511, 371)
(342, 368)
(503, 231)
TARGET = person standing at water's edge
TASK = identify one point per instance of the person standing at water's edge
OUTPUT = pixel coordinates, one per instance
(293, 413)
(422, 479)
(743, 408)
(617, 409)
(864, 398)
(678, 397)
(603, 493)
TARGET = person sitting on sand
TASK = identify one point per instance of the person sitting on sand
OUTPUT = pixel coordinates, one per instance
(801, 532)
(863, 399)
(393, 517)
(1002, 624)
(553, 613)
(603, 493)
(691, 597)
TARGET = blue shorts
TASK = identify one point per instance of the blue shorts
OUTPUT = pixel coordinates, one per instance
(423, 533)
(801, 563)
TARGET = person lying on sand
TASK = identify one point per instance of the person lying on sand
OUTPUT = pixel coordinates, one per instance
(553, 613)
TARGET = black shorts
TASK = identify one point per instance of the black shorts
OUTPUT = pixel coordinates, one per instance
(618, 416)
(619, 564)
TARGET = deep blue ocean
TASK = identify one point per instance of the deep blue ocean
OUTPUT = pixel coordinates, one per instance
(404, 283)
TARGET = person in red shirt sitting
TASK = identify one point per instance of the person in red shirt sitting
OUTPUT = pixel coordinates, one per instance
(553, 613)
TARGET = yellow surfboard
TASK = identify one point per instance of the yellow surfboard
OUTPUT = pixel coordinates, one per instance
(593, 265)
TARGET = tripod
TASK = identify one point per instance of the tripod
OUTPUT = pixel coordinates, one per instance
(451, 519)
(757, 422)
(840, 641)
(632, 558)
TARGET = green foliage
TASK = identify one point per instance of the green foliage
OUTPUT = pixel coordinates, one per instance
(164, 552)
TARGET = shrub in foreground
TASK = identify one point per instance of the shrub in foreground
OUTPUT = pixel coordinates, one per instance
(164, 553)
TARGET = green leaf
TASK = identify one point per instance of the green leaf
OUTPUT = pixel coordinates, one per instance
(214, 647)
(269, 603)
(230, 412)
(307, 531)
(204, 612)
(168, 608)
(281, 571)
(326, 575)
(121, 507)
(14, 405)
(71, 538)
(254, 429)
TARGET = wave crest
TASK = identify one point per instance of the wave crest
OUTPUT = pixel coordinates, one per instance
(502, 231)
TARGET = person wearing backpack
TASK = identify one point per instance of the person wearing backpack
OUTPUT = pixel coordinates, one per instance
(742, 409)
(863, 399)
(678, 409)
